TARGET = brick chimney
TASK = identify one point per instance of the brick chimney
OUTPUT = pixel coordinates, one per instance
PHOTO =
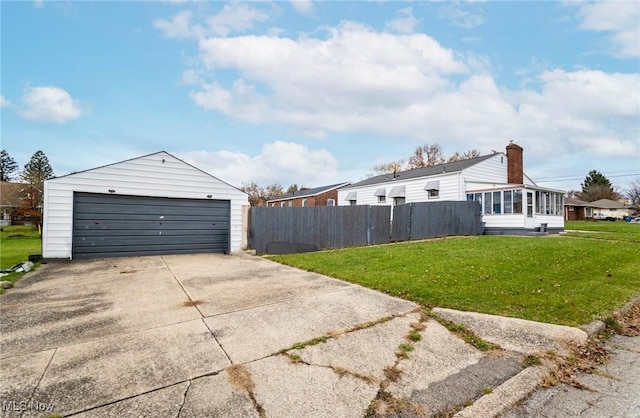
(514, 164)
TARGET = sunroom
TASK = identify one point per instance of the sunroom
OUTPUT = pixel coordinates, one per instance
(508, 209)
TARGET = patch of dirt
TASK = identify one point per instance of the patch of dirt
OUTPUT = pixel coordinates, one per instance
(239, 376)
(629, 321)
(192, 303)
(585, 359)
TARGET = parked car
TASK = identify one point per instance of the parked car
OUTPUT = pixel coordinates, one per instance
(635, 220)
(603, 217)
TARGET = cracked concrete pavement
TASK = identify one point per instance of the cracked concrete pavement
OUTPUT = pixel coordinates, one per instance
(238, 336)
(613, 390)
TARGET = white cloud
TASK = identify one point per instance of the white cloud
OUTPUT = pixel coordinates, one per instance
(357, 80)
(179, 26)
(4, 102)
(278, 162)
(302, 6)
(461, 16)
(404, 22)
(233, 17)
(190, 77)
(38, 4)
(619, 18)
(51, 104)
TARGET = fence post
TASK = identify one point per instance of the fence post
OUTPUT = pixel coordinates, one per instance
(411, 212)
(368, 224)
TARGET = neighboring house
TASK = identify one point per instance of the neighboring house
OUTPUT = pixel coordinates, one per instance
(511, 203)
(605, 208)
(576, 209)
(10, 201)
(151, 205)
(318, 196)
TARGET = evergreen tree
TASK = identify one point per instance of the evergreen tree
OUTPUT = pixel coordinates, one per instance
(595, 177)
(8, 166)
(35, 172)
(596, 186)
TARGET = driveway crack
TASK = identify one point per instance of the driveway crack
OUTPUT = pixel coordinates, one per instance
(184, 399)
(191, 301)
(216, 339)
(40, 380)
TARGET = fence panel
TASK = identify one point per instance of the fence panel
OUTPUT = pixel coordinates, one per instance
(440, 219)
(292, 229)
(401, 223)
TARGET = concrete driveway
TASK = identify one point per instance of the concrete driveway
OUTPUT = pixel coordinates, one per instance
(213, 335)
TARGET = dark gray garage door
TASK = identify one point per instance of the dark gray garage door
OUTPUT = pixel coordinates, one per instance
(114, 226)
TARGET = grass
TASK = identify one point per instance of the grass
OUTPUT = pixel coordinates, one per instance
(566, 280)
(616, 231)
(531, 360)
(16, 244)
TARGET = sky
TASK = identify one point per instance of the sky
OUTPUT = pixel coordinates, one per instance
(319, 92)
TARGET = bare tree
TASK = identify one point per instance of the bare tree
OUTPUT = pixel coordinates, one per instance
(633, 192)
(390, 167)
(426, 156)
(259, 195)
(456, 156)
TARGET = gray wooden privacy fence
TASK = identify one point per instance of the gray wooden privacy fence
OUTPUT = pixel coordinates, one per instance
(285, 230)
(436, 219)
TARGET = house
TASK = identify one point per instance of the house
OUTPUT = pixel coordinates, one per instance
(576, 209)
(150, 205)
(606, 208)
(318, 196)
(510, 202)
(9, 201)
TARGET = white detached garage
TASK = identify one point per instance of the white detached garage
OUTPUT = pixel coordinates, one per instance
(151, 205)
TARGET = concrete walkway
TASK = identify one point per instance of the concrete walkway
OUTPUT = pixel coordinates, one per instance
(237, 336)
(612, 391)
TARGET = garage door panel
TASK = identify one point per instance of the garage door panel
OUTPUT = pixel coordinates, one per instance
(99, 199)
(149, 225)
(114, 225)
(201, 240)
(144, 252)
(156, 211)
(153, 217)
(127, 233)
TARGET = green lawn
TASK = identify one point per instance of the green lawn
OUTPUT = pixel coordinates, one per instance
(559, 279)
(619, 230)
(16, 244)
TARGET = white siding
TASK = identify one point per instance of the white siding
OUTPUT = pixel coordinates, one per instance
(490, 174)
(414, 190)
(515, 221)
(155, 175)
(552, 221)
(491, 170)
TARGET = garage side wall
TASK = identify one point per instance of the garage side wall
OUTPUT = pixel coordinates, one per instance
(156, 175)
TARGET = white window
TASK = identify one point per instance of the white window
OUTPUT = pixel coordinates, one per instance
(433, 193)
(352, 202)
(290, 203)
(331, 202)
(304, 202)
(382, 199)
(398, 201)
(282, 204)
